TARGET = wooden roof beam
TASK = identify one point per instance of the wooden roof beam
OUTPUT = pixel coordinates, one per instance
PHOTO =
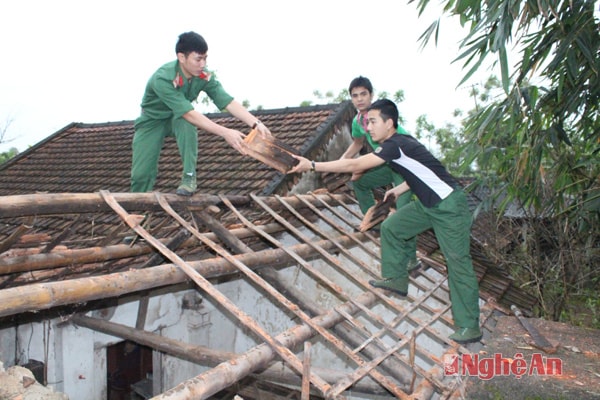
(62, 258)
(76, 203)
(277, 372)
(231, 371)
(40, 296)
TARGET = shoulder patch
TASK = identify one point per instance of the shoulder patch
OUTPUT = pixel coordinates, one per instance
(378, 150)
(178, 81)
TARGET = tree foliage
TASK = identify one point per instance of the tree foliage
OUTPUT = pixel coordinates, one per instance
(13, 151)
(343, 95)
(539, 143)
(7, 155)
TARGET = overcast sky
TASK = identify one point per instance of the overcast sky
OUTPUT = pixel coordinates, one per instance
(82, 61)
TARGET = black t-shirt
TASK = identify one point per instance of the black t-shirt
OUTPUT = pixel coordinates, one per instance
(427, 177)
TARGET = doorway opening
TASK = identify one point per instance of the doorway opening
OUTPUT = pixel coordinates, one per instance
(129, 371)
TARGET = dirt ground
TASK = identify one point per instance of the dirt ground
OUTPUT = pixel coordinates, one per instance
(577, 352)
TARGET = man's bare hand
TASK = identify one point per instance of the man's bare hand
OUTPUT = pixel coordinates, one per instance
(265, 133)
(389, 193)
(303, 165)
(397, 190)
(235, 139)
(356, 176)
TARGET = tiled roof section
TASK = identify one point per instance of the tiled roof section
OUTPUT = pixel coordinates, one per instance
(86, 158)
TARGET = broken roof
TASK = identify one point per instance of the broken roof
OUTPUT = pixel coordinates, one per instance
(65, 213)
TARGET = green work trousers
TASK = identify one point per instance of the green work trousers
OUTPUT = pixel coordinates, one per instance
(374, 178)
(146, 146)
(451, 222)
(381, 176)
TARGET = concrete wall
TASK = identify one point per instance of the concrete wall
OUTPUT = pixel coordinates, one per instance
(76, 356)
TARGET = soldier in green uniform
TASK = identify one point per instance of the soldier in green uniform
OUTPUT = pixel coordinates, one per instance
(363, 182)
(167, 110)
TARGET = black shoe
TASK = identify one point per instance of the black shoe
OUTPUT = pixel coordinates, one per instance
(131, 239)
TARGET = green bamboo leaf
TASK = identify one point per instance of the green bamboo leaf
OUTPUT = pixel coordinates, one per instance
(562, 134)
(462, 6)
(533, 97)
(426, 35)
(449, 6)
(471, 71)
(584, 47)
(504, 69)
(526, 61)
(477, 46)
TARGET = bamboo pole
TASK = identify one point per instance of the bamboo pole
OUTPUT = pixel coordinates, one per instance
(277, 372)
(41, 296)
(62, 258)
(78, 203)
(45, 204)
(242, 317)
(194, 353)
(231, 371)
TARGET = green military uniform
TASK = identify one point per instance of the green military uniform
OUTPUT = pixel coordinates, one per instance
(168, 96)
(376, 177)
(441, 206)
(379, 176)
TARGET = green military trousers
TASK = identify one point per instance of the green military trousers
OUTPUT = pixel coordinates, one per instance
(451, 222)
(374, 178)
(146, 146)
(381, 176)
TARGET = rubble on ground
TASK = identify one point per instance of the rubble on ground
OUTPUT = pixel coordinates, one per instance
(19, 383)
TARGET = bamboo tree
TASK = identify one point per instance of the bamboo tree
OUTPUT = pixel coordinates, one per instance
(539, 144)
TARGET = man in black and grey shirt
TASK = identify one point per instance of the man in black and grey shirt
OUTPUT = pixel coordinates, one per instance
(441, 206)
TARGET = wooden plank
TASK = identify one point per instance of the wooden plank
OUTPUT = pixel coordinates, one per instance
(271, 152)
